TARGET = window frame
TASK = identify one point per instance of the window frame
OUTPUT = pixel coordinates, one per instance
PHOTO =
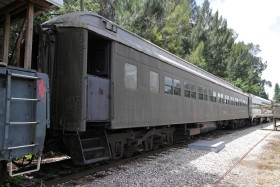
(155, 88)
(200, 93)
(193, 91)
(168, 85)
(187, 89)
(126, 78)
(176, 88)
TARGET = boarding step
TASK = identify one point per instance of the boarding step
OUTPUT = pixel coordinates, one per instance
(90, 142)
(97, 160)
(94, 149)
(88, 147)
(94, 153)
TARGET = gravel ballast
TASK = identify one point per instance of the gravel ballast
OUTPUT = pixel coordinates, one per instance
(180, 166)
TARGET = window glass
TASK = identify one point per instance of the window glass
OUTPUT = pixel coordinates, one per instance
(130, 72)
(187, 90)
(193, 91)
(177, 87)
(214, 96)
(200, 93)
(168, 81)
(232, 100)
(205, 96)
(211, 97)
(227, 99)
(222, 98)
(154, 82)
(168, 88)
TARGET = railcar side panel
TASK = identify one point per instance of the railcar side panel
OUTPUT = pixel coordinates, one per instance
(69, 86)
(140, 107)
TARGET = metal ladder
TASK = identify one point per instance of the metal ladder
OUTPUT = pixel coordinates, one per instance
(9, 123)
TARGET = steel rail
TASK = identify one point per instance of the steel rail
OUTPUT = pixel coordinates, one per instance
(236, 163)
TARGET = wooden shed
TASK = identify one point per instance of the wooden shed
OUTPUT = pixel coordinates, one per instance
(14, 10)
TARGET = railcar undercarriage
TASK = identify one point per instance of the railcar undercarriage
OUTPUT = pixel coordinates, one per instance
(99, 143)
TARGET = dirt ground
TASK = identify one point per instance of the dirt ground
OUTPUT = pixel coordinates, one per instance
(261, 167)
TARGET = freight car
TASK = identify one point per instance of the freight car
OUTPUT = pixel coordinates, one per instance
(260, 109)
(23, 115)
(113, 93)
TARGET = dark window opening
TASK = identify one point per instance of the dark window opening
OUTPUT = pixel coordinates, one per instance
(98, 55)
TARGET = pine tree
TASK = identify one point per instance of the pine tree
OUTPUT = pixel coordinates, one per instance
(276, 96)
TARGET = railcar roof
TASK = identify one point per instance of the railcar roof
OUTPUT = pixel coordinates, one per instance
(102, 26)
(264, 101)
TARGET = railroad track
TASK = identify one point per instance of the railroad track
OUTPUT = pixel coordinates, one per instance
(217, 182)
(52, 174)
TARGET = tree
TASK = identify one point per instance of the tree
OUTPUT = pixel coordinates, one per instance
(217, 39)
(191, 32)
(276, 96)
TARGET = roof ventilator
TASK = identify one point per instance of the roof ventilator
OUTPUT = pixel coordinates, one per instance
(109, 26)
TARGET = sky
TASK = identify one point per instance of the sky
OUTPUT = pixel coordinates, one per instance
(257, 22)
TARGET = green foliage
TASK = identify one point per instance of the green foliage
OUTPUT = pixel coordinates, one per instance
(74, 5)
(243, 63)
(196, 57)
(264, 95)
(12, 181)
(276, 96)
(191, 32)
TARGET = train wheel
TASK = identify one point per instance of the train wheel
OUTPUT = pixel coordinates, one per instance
(3, 171)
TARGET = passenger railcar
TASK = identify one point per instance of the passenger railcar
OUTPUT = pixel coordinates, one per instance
(114, 92)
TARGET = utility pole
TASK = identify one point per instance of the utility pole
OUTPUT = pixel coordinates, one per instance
(82, 5)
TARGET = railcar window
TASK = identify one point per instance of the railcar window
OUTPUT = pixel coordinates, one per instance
(168, 88)
(205, 96)
(214, 96)
(228, 101)
(154, 82)
(130, 76)
(193, 91)
(177, 87)
(231, 100)
(222, 98)
(187, 90)
(200, 93)
(219, 97)
(211, 97)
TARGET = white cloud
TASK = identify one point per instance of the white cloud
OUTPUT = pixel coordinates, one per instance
(258, 22)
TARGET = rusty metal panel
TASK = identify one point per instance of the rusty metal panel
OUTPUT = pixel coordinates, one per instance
(97, 99)
(69, 88)
(23, 112)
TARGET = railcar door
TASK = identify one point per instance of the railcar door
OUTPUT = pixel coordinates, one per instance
(98, 78)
